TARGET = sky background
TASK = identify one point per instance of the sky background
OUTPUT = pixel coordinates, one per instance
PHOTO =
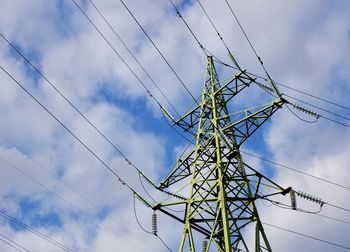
(50, 182)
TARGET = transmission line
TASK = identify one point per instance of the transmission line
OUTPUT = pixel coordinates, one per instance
(255, 52)
(262, 64)
(42, 167)
(35, 231)
(335, 121)
(69, 102)
(248, 40)
(69, 131)
(205, 51)
(120, 179)
(338, 207)
(332, 218)
(285, 206)
(133, 55)
(311, 95)
(74, 106)
(286, 86)
(213, 25)
(36, 182)
(116, 52)
(307, 236)
(160, 53)
(13, 244)
(296, 170)
(9, 244)
(317, 107)
(59, 196)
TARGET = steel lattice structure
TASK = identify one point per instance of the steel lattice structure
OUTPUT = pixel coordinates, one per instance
(222, 188)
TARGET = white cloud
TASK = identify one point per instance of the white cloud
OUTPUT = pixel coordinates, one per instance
(303, 44)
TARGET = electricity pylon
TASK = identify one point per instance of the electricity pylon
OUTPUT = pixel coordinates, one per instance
(222, 188)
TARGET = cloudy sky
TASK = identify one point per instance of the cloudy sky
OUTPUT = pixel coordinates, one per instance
(53, 184)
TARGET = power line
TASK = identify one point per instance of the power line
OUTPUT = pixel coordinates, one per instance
(74, 106)
(68, 101)
(60, 197)
(317, 213)
(133, 55)
(42, 167)
(335, 121)
(311, 95)
(286, 86)
(317, 107)
(332, 218)
(307, 236)
(35, 231)
(248, 40)
(255, 75)
(10, 242)
(296, 170)
(219, 35)
(36, 182)
(160, 53)
(213, 25)
(69, 131)
(338, 207)
(205, 51)
(43, 76)
(115, 51)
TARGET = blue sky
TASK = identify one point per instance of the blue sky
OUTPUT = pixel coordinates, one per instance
(303, 44)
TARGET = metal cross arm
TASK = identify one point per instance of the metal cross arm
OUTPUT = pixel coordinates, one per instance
(248, 121)
(229, 89)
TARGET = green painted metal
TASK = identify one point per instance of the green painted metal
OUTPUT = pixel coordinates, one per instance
(220, 205)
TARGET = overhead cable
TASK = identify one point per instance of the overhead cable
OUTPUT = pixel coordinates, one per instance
(317, 213)
(248, 40)
(116, 52)
(332, 218)
(219, 35)
(68, 101)
(338, 207)
(37, 182)
(69, 131)
(35, 231)
(160, 53)
(335, 121)
(311, 95)
(74, 106)
(133, 56)
(205, 51)
(318, 107)
(13, 244)
(120, 179)
(296, 170)
(307, 236)
(286, 86)
(54, 193)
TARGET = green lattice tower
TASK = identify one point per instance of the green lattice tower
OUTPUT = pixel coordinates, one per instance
(223, 189)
